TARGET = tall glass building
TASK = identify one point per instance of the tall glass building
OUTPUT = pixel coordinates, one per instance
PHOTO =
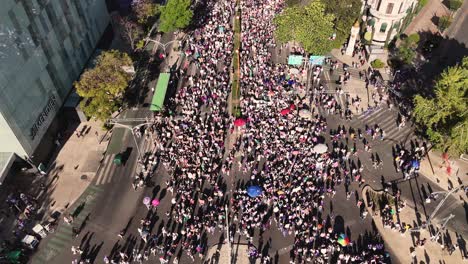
(44, 46)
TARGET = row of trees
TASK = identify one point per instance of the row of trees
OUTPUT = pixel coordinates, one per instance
(146, 17)
(103, 86)
(319, 26)
(445, 116)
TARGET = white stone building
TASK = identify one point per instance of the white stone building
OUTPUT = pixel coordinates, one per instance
(385, 17)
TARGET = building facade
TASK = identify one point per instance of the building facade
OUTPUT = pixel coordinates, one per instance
(44, 46)
(385, 17)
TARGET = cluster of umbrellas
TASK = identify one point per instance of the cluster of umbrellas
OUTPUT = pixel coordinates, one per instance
(148, 202)
(304, 113)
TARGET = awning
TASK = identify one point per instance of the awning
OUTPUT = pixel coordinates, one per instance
(157, 104)
(316, 60)
(295, 60)
(6, 160)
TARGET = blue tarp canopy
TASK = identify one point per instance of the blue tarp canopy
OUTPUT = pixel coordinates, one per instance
(254, 191)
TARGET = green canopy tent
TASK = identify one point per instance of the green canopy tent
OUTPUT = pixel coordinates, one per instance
(295, 60)
(157, 104)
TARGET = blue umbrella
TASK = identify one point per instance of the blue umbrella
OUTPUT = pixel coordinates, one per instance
(415, 164)
(254, 191)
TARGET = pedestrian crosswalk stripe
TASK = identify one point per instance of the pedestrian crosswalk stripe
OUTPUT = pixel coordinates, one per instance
(366, 115)
(83, 214)
(39, 258)
(65, 228)
(405, 134)
(56, 242)
(373, 116)
(95, 188)
(392, 132)
(63, 237)
(50, 253)
(387, 123)
(105, 171)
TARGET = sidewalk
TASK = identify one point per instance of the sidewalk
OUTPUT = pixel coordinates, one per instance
(403, 244)
(424, 22)
(355, 87)
(220, 254)
(445, 174)
(74, 167)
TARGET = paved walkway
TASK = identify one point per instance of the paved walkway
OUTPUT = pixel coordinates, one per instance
(424, 21)
(355, 87)
(446, 173)
(220, 254)
(404, 244)
(75, 166)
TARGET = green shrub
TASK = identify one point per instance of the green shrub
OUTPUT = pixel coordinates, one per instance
(455, 4)
(444, 22)
(413, 38)
(422, 3)
(377, 64)
(237, 112)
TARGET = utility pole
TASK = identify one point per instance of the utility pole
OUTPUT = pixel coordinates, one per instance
(131, 128)
(447, 194)
(436, 236)
(227, 233)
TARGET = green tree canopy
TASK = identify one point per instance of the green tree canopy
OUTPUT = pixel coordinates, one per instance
(346, 13)
(103, 86)
(308, 25)
(175, 15)
(145, 11)
(446, 115)
(407, 49)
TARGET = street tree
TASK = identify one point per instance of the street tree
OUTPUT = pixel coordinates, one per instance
(131, 31)
(407, 50)
(446, 115)
(145, 11)
(175, 15)
(103, 86)
(308, 25)
(346, 13)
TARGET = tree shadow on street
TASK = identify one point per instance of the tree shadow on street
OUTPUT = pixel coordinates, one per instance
(438, 53)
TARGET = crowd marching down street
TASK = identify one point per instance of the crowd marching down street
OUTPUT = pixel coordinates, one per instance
(278, 146)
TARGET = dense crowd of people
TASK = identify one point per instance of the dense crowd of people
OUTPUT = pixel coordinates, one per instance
(277, 149)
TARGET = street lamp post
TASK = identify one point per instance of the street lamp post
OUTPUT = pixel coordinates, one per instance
(159, 44)
(133, 133)
(228, 235)
(428, 222)
(30, 162)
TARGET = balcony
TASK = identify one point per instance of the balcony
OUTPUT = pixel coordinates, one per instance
(384, 16)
